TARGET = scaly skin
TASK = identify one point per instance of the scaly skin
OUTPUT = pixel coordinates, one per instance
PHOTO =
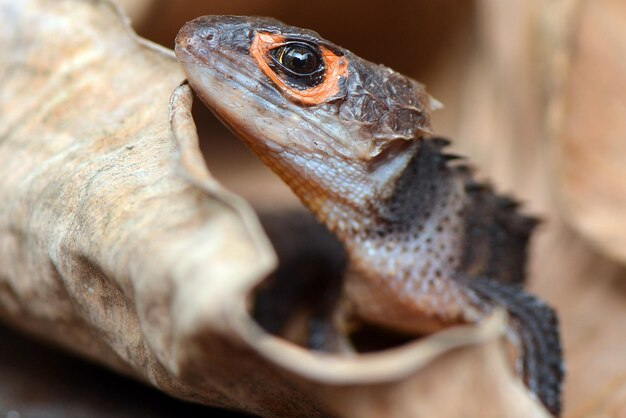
(427, 246)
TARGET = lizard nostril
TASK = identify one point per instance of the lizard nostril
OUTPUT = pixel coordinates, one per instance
(208, 35)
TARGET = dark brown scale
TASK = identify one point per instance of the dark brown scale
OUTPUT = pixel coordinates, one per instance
(535, 323)
(492, 259)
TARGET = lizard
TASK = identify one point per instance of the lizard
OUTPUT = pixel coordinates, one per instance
(427, 245)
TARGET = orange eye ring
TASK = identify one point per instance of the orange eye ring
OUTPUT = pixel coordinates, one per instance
(335, 66)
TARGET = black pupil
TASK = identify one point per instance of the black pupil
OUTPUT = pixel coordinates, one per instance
(300, 59)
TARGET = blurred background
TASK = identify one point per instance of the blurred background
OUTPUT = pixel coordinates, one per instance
(534, 93)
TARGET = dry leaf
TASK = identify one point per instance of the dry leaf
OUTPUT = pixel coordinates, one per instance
(117, 243)
(138, 11)
(590, 131)
(524, 144)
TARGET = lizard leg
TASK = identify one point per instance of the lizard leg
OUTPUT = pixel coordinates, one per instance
(330, 330)
(536, 326)
(307, 282)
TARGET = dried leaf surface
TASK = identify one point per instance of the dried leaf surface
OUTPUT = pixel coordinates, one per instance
(590, 132)
(563, 157)
(116, 242)
(138, 11)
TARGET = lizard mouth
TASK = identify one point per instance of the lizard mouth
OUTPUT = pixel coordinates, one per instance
(234, 94)
(220, 70)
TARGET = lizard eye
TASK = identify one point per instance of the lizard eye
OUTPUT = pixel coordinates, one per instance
(299, 63)
(298, 58)
(300, 69)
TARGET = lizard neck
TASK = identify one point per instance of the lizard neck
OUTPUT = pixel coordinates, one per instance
(344, 195)
(403, 265)
(397, 215)
(416, 241)
(401, 223)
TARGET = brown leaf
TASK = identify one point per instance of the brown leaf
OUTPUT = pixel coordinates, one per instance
(590, 129)
(528, 145)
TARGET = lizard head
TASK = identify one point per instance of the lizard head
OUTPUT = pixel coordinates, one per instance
(287, 88)
(335, 127)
